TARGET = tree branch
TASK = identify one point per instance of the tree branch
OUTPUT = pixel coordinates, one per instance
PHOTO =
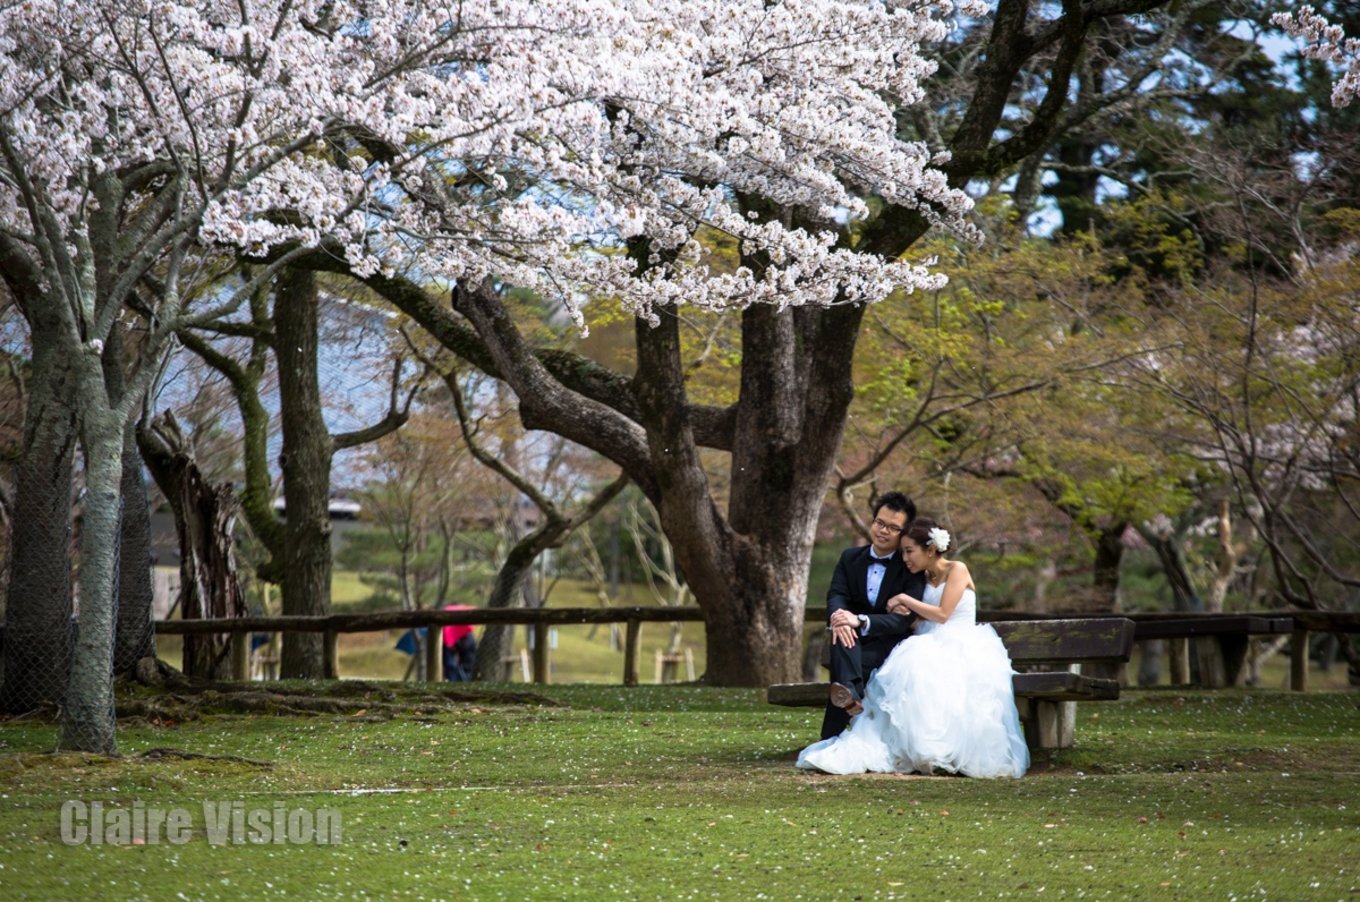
(398, 413)
(545, 402)
(714, 426)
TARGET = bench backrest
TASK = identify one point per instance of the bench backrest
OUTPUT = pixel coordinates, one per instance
(1084, 639)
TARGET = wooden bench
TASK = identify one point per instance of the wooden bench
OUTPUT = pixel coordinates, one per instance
(1046, 698)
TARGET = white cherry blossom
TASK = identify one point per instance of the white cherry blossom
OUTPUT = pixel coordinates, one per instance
(1328, 42)
(527, 140)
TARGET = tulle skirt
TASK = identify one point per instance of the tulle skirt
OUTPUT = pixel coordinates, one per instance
(942, 700)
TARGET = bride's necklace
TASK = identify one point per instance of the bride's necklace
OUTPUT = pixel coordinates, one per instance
(935, 579)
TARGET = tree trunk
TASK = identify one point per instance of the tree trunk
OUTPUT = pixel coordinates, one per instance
(135, 636)
(754, 649)
(1226, 565)
(1150, 664)
(498, 640)
(38, 601)
(1105, 588)
(1105, 581)
(87, 718)
(306, 465)
(1171, 554)
(1206, 659)
(749, 574)
(508, 591)
(204, 523)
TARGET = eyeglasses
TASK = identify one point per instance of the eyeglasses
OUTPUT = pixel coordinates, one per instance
(890, 528)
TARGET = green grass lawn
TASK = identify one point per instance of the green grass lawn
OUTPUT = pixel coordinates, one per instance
(689, 792)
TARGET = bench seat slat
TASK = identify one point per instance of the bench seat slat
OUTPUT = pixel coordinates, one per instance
(1042, 697)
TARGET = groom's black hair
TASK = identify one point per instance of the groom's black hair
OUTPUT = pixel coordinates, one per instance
(894, 501)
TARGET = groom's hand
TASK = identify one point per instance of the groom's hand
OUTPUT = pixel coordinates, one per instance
(844, 626)
(843, 635)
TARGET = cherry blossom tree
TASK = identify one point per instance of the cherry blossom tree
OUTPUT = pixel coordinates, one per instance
(744, 544)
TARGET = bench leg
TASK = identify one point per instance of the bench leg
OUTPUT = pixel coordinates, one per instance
(1048, 724)
(1055, 723)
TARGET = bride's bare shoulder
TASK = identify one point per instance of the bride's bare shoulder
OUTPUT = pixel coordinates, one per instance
(959, 574)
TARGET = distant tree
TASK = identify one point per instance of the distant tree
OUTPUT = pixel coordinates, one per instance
(560, 505)
(284, 338)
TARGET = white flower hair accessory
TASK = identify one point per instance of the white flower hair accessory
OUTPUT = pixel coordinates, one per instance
(938, 538)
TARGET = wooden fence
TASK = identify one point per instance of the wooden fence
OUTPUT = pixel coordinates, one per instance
(1227, 635)
(540, 619)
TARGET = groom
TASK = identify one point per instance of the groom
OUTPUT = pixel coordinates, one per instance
(862, 631)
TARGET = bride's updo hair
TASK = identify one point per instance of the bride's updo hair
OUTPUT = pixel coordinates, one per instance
(919, 531)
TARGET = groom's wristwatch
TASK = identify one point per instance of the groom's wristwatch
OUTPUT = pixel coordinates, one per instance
(863, 622)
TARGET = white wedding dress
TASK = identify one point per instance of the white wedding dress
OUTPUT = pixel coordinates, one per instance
(942, 700)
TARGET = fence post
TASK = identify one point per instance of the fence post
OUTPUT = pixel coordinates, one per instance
(240, 655)
(1298, 661)
(541, 652)
(1179, 657)
(434, 644)
(630, 652)
(331, 660)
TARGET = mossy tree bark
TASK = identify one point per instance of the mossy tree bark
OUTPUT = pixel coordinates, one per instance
(38, 599)
(299, 545)
(306, 465)
(87, 708)
(308, 449)
(134, 635)
(135, 631)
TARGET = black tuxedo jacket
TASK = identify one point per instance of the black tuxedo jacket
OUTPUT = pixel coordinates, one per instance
(847, 592)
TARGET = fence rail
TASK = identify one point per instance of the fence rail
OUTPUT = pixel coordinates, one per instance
(1228, 632)
(541, 619)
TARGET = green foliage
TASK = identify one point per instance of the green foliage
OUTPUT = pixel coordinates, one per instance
(1153, 239)
(1018, 422)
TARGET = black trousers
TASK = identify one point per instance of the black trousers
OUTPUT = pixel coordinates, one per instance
(852, 667)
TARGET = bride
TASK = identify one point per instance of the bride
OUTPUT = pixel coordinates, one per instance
(943, 698)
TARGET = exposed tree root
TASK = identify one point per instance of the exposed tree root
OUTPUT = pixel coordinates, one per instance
(160, 754)
(182, 698)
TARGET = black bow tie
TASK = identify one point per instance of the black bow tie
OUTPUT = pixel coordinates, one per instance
(880, 560)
